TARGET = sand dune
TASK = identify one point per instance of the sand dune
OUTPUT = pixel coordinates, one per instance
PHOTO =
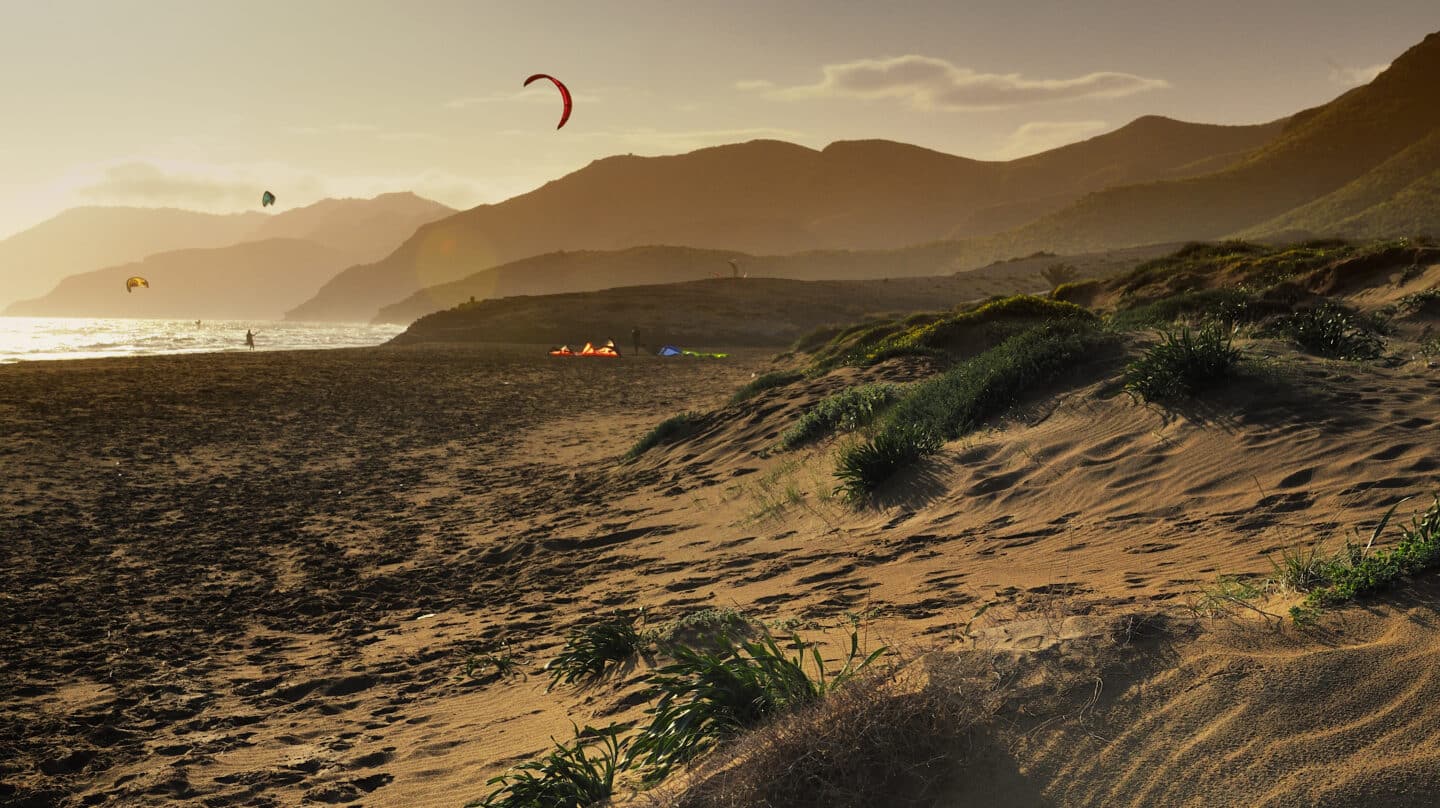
(257, 579)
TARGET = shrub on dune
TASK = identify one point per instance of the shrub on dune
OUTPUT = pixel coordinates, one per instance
(864, 467)
(1329, 331)
(1183, 364)
(592, 651)
(667, 431)
(845, 411)
(579, 775)
(706, 696)
(958, 401)
(760, 384)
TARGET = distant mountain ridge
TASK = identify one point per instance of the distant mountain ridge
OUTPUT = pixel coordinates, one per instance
(1319, 154)
(83, 239)
(775, 198)
(308, 245)
(251, 280)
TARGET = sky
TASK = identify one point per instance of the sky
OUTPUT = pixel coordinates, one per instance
(203, 105)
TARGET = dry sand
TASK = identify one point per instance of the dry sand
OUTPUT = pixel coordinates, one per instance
(254, 579)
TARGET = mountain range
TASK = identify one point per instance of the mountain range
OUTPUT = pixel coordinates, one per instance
(247, 265)
(1366, 164)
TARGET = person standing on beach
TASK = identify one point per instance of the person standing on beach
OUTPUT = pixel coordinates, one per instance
(635, 339)
(250, 339)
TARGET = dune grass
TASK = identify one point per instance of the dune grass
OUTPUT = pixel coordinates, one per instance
(707, 696)
(767, 381)
(1183, 364)
(949, 336)
(1361, 570)
(879, 741)
(669, 430)
(959, 400)
(845, 411)
(1331, 331)
(1227, 305)
(718, 684)
(578, 775)
(593, 651)
(1333, 578)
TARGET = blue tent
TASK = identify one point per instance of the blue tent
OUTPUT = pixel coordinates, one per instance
(669, 350)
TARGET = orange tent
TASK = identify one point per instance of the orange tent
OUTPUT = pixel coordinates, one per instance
(563, 350)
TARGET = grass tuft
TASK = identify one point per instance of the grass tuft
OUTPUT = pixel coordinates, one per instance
(864, 467)
(592, 652)
(958, 401)
(1360, 570)
(576, 776)
(706, 696)
(760, 384)
(669, 430)
(1182, 364)
(1331, 331)
(845, 411)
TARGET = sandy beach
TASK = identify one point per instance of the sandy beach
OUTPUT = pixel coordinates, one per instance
(204, 554)
(257, 579)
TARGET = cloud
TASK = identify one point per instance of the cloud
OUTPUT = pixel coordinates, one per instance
(930, 83)
(149, 182)
(1039, 136)
(754, 84)
(1355, 76)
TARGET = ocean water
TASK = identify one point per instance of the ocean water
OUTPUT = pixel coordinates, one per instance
(28, 338)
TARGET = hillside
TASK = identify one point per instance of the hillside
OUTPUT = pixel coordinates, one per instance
(753, 311)
(1318, 154)
(308, 246)
(363, 229)
(769, 197)
(83, 239)
(253, 280)
(1399, 196)
(590, 270)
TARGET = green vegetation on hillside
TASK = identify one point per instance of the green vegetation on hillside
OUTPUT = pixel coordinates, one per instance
(947, 336)
(959, 400)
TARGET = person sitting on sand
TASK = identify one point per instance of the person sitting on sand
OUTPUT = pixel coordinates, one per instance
(250, 339)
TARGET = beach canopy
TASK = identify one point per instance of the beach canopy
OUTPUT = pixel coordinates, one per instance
(563, 350)
(669, 350)
(134, 281)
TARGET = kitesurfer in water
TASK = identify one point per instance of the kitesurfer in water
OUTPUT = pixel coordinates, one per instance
(250, 339)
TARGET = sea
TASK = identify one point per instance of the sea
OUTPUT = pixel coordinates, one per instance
(31, 338)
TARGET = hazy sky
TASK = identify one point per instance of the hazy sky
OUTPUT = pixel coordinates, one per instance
(206, 104)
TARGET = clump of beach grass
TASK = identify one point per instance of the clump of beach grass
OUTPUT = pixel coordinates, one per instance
(845, 411)
(594, 651)
(709, 695)
(958, 401)
(578, 775)
(1330, 331)
(766, 381)
(669, 430)
(1183, 364)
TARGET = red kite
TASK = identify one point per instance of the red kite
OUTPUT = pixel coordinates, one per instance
(564, 95)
